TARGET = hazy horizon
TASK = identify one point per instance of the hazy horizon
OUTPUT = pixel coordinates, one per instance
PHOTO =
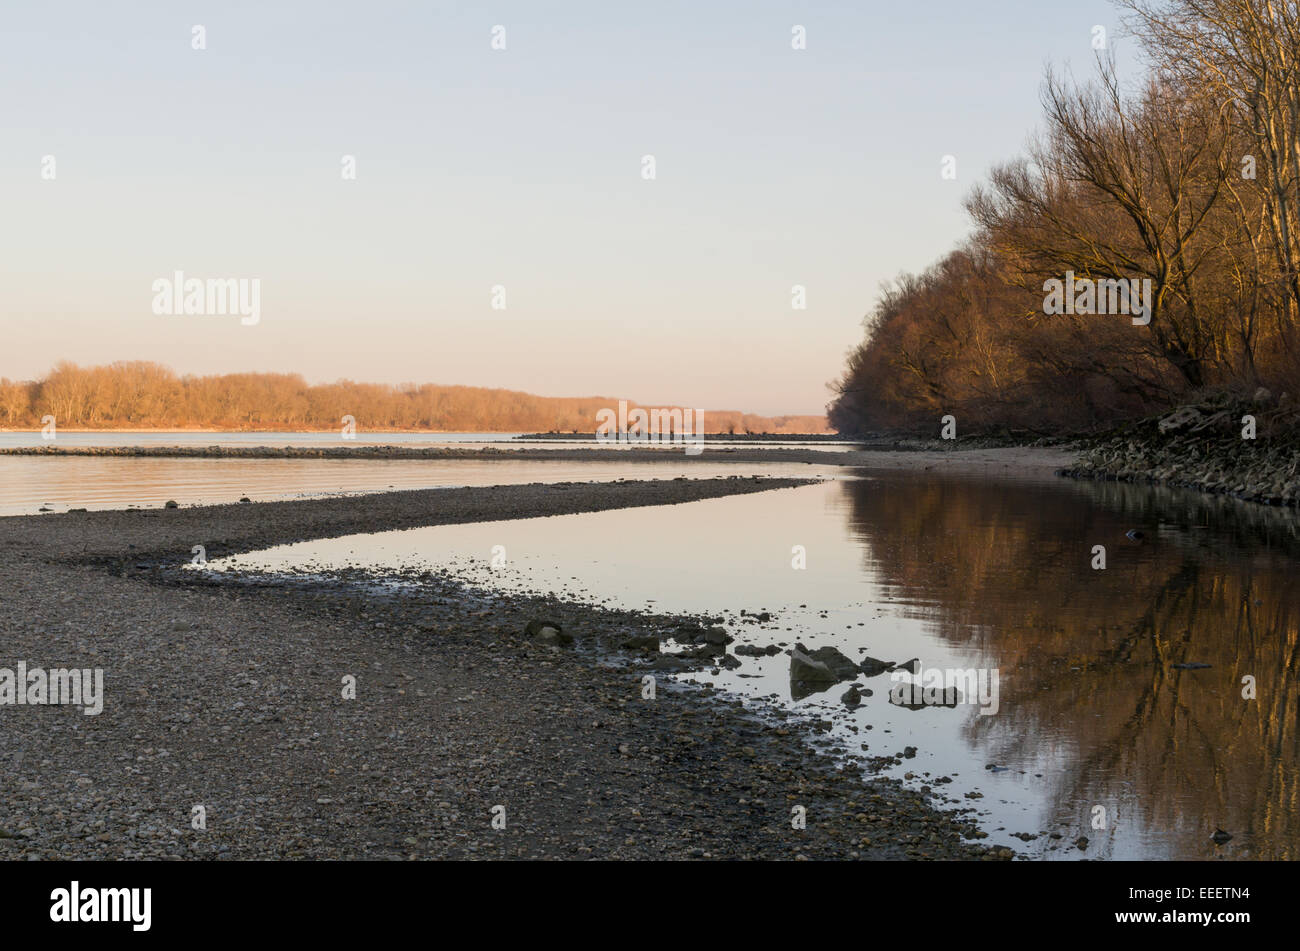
(519, 168)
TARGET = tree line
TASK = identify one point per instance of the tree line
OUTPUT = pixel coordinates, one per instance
(142, 395)
(1188, 183)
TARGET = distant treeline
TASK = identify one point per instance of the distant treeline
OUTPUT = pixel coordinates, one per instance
(1188, 185)
(138, 395)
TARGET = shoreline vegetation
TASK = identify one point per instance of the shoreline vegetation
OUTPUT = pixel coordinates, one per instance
(139, 395)
(1167, 203)
(227, 693)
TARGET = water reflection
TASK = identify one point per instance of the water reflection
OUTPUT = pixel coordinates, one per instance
(1088, 656)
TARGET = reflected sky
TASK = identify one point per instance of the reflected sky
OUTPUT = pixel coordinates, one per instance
(29, 483)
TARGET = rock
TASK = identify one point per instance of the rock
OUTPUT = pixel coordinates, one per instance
(1081, 842)
(717, 635)
(814, 671)
(647, 642)
(852, 697)
(1179, 419)
(833, 660)
(805, 670)
(687, 633)
(749, 650)
(547, 632)
(807, 674)
(704, 652)
(912, 666)
(245, 499)
(871, 666)
(1220, 836)
(170, 504)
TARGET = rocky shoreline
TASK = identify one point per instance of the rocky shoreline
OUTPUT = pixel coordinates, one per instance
(226, 694)
(1245, 449)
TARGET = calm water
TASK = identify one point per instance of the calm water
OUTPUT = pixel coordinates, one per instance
(363, 438)
(29, 483)
(970, 574)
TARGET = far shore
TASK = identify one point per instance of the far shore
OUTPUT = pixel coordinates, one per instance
(334, 430)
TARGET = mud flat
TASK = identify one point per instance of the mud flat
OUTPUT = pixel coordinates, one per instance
(229, 695)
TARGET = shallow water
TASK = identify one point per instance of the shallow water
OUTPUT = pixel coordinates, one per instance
(115, 439)
(989, 575)
(28, 483)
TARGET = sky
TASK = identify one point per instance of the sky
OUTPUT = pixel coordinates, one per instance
(515, 172)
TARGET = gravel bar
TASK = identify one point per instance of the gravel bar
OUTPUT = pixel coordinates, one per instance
(229, 696)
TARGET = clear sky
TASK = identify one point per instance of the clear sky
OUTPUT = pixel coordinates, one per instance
(519, 167)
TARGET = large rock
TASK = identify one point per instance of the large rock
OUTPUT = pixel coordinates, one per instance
(814, 671)
(833, 660)
(808, 670)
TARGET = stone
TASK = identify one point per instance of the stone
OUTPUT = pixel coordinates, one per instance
(872, 667)
(717, 635)
(806, 669)
(547, 632)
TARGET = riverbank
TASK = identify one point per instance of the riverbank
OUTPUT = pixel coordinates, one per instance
(229, 696)
(1246, 449)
